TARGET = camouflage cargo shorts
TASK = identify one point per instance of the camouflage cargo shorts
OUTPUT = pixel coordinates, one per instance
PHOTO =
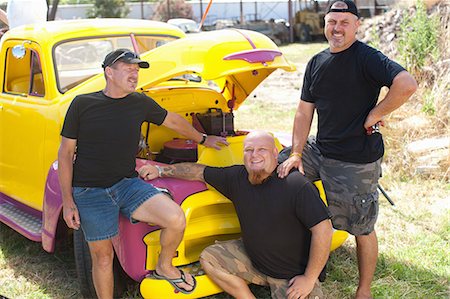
(231, 258)
(351, 189)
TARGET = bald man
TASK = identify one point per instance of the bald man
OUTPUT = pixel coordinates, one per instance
(286, 231)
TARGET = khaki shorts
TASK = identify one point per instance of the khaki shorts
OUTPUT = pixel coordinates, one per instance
(351, 189)
(231, 258)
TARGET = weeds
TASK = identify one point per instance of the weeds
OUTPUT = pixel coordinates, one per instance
(418, 41)
(375, 38)
(426, 114)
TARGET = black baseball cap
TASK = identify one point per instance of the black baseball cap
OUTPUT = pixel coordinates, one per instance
(343, 6)
(126, 56)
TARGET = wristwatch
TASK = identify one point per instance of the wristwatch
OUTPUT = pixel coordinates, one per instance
(203, 139)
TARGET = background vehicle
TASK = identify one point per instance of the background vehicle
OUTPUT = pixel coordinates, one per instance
(204, 78)
(275, 30)
(309, 20)
(187, 25)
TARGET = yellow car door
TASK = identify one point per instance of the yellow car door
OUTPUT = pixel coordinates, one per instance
(23, 122)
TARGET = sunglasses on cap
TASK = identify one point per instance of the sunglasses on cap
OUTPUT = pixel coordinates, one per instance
(127, 54)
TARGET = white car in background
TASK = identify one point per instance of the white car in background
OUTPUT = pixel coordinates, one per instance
(187, 25)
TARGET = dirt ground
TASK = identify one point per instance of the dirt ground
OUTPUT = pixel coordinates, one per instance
(281, 88)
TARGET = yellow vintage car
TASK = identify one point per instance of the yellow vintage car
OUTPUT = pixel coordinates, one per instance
(204, 78)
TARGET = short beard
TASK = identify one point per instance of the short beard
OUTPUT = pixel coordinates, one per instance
(258, 177)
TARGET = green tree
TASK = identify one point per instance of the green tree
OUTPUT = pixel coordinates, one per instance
(108, 9)
(169, 9)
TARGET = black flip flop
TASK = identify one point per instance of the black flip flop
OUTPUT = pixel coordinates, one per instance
(174, 281)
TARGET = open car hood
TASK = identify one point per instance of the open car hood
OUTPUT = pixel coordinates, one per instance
(233, 61)
(236, 61)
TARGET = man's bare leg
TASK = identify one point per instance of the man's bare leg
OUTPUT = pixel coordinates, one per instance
(102, 255)
(162, 211)
(367, 252)
(233, 285)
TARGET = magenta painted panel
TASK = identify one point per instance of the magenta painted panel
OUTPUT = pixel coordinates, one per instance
(254, 56)
(51, 209)
(130, 248)
(129, 244)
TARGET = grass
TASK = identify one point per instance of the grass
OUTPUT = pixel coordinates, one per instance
(28, 272)
(413, 238)
(413, 235)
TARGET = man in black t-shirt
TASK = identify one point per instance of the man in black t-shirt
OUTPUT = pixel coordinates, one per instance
(100, 180)
(286, 231)
(343, 83)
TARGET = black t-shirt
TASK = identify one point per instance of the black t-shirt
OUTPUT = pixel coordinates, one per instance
(344, 87)
(107, 132)
(275, 217)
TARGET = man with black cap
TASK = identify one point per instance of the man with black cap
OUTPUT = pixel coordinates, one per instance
(103, 128)
(343, 83)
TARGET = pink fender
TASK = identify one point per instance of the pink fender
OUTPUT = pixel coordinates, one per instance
(129, 244)
(51, 209)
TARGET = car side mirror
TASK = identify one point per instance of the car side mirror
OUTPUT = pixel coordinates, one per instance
(19, 51)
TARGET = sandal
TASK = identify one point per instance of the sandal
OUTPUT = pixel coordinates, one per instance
(174, 282)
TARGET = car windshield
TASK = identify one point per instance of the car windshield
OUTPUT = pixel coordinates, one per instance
(78, 60)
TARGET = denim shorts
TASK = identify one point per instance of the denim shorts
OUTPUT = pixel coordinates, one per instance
(99, 207)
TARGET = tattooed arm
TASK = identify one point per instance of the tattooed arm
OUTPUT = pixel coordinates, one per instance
(186, 171)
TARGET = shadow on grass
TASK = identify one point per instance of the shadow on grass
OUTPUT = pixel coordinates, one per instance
(30, 272)
(33, 273)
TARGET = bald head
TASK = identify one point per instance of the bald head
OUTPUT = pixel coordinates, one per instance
(260, 156)
(261, 136)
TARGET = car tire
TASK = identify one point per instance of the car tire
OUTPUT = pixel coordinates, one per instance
(83, 264)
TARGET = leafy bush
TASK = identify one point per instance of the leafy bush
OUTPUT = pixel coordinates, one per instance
(175, 9)
(418, 41)
(108, 9)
